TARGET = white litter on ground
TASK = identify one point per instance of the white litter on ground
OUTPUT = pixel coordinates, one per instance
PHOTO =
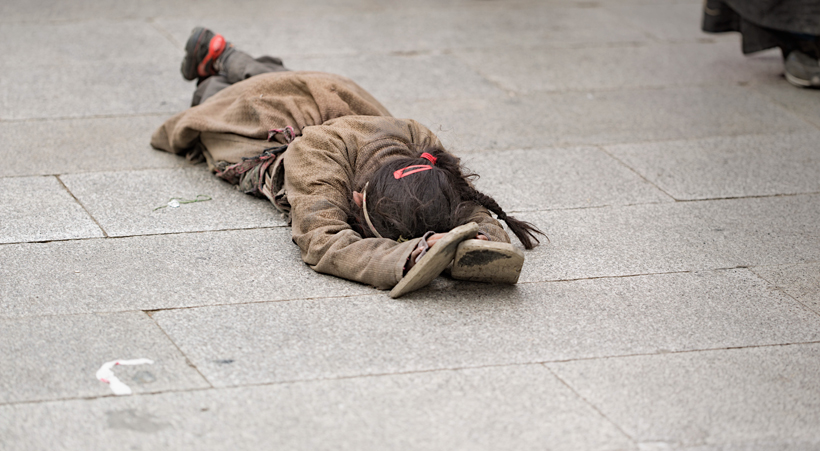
(105, 374)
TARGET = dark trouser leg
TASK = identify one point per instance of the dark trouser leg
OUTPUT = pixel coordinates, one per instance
(208, 87)
(719, 17)
(758, 38)
(235, 66)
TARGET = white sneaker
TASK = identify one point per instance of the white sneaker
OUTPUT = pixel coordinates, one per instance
(802, 70)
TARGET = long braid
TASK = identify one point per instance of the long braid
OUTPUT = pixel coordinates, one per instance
(523, 230)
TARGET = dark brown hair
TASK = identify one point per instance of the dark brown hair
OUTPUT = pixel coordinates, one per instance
(437, 200)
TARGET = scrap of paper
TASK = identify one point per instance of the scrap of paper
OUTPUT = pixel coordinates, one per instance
(105, 374)
(175, 202)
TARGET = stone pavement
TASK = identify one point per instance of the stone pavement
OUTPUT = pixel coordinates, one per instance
(676, 306)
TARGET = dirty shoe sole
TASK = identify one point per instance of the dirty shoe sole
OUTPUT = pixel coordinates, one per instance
(487, 261)
(198, 41)
(433, 263)
(202, 49)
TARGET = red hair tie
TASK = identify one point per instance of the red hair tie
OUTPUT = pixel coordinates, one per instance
(404, 172)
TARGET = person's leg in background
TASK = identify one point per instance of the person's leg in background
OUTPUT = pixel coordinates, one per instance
(803, 62)
(801, 51)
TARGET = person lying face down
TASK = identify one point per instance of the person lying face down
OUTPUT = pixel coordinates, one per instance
(414, 196)
(370, 197)
(407, 205)
(363, 190)
(426, 205)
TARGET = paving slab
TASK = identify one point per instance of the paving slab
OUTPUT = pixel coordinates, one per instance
(646, 239)
(85, 83)
(127, 203)
(587, 4)
(767, 231)
(669, 21)
(802, 282)
(612, 117)
(41, 147)
(16, 11)
(483, 409)
(622, 241)
(489, 25)
(66, 45)
(759, 398)
(40, 209)
(471, 325)
(57, 357)
(93, 89)
(740, 166)
(628, 66)
(159, 272)
(555, 178)
(406, 77)
(12, 11)
(803, 102)
(79, 10)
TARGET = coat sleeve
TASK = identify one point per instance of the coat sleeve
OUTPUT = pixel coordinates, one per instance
(319, 170)
(488, 226)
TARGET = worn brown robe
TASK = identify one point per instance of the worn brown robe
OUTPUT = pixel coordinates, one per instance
(342, 131)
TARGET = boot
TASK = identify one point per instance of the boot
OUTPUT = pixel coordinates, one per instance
(202, 52)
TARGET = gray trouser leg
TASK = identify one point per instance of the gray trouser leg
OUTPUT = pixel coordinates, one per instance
(208, 87)
(236, 66)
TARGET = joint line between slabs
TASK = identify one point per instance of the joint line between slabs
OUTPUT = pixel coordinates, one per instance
(685, 351)
(89, 117)
(754, 196)
(662, 203)
(641, 176)
(684, 140)
(623, 276)
(187, 359)
(168, 36)
(140, 236)
(432, 370)
(105, 234)
(628, 89)
(590, 404)
(782, 290)
(571, 145)
(151, 312)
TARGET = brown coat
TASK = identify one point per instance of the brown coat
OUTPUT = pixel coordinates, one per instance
(319, 170)
(344, 132)
(234, 123)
